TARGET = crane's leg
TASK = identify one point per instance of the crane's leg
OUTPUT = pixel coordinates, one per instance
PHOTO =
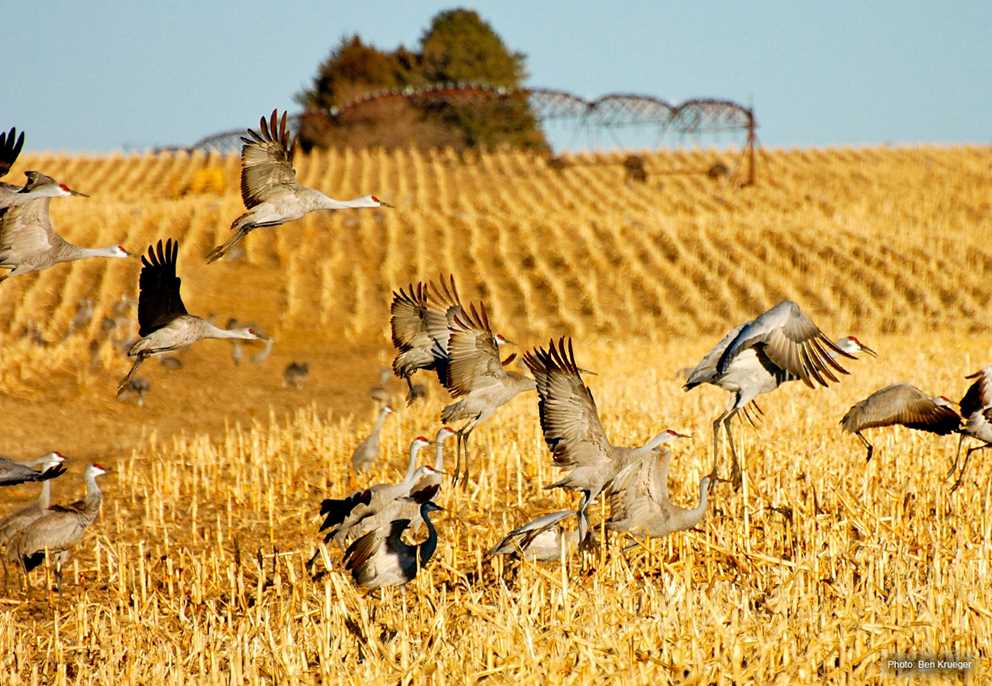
(717, 425)
(871, 448)
(967, 456)
(220, 250)
(957, 456)
(735, 475)
(59, 559)
(468, 434)
(409, 386)
(134, 367)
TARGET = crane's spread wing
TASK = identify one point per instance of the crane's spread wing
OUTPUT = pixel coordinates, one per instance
(26, 230)
(365, 548)
(791, 341)
(901, 404)
(415, 322)
(979, 394)
(569, 417)
(267, 161)
(705, 371)
(474, 355)
(13, 473)
(159, 301)
(10, 148)
(528, 532)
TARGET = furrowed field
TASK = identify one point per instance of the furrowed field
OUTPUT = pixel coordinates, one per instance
(820, 569)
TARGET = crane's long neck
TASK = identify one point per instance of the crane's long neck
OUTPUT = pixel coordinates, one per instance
(212, 331)
(411, 466)
(83, 253)
(45, 499)
(439, 456)
(378, 422)
(93, 497)
(325, 202)
(425, 551)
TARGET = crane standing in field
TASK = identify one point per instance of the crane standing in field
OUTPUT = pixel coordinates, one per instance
(640, 503)
(18, 519)
(760, 355)
(60, 528)
(381, 558)
(976, 411)
(269, 188)
(41, 469)
(543, 538)
(164, 324)
(420, 317)
(901, 405)
(28, 243)
(10, 195)
(572, 430)
(367, 451)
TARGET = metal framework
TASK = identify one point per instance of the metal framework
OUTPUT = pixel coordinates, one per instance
(692, 117)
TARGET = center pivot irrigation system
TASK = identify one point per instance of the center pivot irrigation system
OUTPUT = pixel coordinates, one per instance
(696, 117)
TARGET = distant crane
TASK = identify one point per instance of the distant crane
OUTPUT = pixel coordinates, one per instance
(269, 188)
(294, 374)
(420, 317)
(164, 323)
(10, 148)
(476, 377)
(976, 410)
(40, 469)
(905, 405)
(28, 243)
(379, 393)
(760, 355)
(572, 430)
(381, 558)
(60, 528)
(640, 503)
(367, 451)
(543, 538)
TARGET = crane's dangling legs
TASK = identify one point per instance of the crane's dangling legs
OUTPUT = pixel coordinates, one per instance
(134, 367)
(463, 435)
(967, 456)
(957, 456)
(868, 445)
(735, 475)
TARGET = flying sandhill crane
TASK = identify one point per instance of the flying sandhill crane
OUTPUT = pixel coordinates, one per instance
(18, 519)
(976, 410)
(571, 425)
(164, 324)
(367, 451)
(40, 469)
(640, 504)
(901, 404)
(760, 355)
(342, 514)
(420, 317)
(10, 195)
(476, 378)
(269, 188)
(379, 393)
(543, 538)
(381, 557)
(60, 528)
(28, 243)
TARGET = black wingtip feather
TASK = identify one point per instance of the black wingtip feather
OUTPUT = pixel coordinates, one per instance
(33, 560)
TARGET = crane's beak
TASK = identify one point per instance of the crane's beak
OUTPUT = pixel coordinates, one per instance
(383, 203)
(79, 193)
(868, 350)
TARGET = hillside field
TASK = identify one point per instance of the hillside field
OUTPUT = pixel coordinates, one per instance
(820, 569)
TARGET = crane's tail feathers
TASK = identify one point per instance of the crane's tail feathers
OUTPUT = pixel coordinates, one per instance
(221, 250)
(33, 560)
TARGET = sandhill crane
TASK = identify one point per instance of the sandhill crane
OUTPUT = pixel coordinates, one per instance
(381, 558)
(341, 514)
(269, 188)
(28, 243)
(420, 317)
(60, 528)
(164, 324)
(976, 410)
(571, 425)
(18, 519)
(901, 404)
(640, 503)
(758, 356)
(379, 393)
(476, 377)
(39, 469)
(294, 374)
(138, 386)
(10, 148)
(543, 538)
(367, 451)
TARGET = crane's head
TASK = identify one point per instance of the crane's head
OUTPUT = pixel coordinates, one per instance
(852, 345)
(431, 506)
(96, 470)
(420, 442)
(61, 190)
(944, 401)
(250, 334)
(376, 202)
(443, 434)
(502, 340)
(52, 459)
(119, 251)
(387, 409)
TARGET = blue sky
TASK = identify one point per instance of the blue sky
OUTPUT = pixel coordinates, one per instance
(100, 75)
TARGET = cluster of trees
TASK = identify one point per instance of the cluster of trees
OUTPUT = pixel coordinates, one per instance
(458, 46)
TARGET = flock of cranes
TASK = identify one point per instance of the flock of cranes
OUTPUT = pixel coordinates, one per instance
(434, 331)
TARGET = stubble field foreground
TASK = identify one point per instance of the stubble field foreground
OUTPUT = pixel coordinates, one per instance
(820, 569)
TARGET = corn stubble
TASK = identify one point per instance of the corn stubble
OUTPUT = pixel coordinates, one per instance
(195, 570)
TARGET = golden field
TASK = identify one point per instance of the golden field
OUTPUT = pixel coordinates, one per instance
(194, 571)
